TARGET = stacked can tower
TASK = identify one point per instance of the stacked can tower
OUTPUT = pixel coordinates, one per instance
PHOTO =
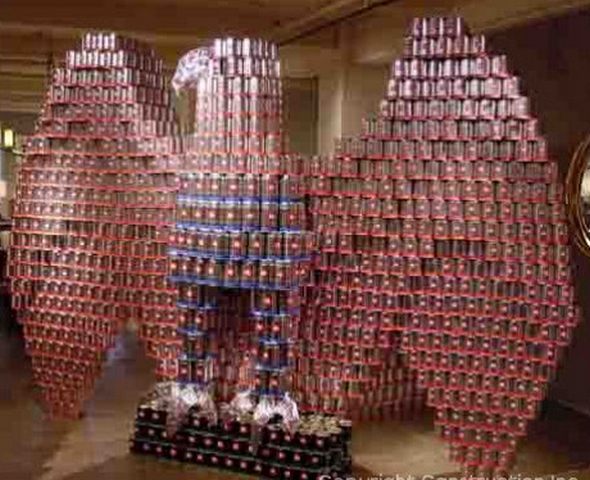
(239, 254)
(350, 361)
(451, 195)
(95, 192)
(239, 247)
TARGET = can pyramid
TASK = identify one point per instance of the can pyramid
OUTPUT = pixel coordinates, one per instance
(443, 241)
(94, 195)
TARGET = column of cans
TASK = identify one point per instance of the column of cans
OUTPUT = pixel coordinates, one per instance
(464, 212)
(95, 193)
(351, 362)
(239, 246)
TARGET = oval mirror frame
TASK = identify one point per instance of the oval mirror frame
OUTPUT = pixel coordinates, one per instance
(577, 196)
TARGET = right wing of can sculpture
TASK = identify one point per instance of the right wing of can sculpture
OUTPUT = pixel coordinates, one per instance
(443, 238)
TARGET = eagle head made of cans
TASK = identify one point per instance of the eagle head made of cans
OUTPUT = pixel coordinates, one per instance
(190, 68)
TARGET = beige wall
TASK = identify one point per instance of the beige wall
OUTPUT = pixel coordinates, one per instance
(348, 92)
(330, 100)
(364, 88)
(300, 112)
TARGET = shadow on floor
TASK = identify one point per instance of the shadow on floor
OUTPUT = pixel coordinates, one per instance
(27, 440)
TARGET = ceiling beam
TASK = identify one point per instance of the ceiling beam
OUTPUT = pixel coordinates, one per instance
(160, 19)
(32, 70)
(16, 82)
(333, 13)
(304, 61)
(21, 107)
(64, 37)
(35, 42)
(23, 94)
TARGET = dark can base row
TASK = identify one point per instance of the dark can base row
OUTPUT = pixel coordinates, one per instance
(270, 452)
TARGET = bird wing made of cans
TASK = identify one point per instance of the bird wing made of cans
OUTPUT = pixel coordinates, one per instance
(444, 252)
(95, 193)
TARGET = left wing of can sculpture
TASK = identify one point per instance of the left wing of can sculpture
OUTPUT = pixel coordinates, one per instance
(95, 192)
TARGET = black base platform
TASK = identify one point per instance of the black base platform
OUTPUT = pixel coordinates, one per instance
(319, 450)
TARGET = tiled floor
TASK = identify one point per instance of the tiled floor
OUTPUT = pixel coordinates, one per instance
(95, 447)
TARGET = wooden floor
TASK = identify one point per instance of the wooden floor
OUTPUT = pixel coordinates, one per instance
(95, 447)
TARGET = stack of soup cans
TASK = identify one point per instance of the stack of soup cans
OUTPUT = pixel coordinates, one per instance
(95, 192)
(443, 237)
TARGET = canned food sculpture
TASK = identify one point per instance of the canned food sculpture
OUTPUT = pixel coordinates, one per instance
(239, 238)
(443, 233)
(95, 191)
(239, 253)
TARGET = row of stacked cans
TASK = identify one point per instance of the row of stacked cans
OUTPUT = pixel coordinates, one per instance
(443, 239)
(90, 220)
(98, 146)
(319, 448)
